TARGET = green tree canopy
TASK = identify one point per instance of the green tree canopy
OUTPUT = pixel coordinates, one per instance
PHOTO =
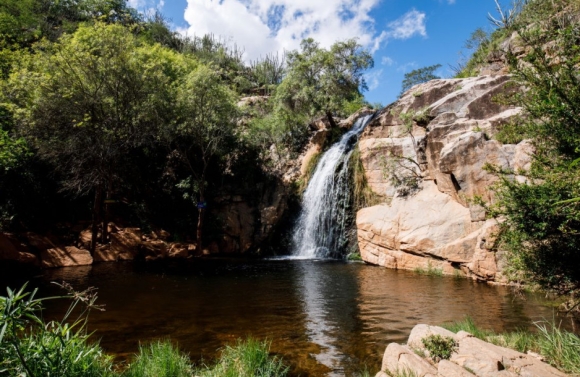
(319, 81)
(542, 227)
(87, 100)
(419, 76)
(201, 135)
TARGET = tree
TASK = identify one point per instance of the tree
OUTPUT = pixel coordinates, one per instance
(88, 100)
(206, 115)
(419, 76)
(542, 227)
(319, 81)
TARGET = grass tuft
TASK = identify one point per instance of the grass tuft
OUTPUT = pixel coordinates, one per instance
(248, 358)
(559, 347)
(429, 271)
(159, 359)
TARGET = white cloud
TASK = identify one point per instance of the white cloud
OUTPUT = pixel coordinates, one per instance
(264, 26)
(407, 67)
(373, 79)
(387, 61)
(411, 24)
(405, 27)
(450, 1)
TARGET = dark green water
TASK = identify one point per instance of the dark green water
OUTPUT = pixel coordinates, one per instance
(323, 318)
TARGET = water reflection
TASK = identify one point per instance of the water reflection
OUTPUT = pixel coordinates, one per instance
(324, 318)
(329, 302)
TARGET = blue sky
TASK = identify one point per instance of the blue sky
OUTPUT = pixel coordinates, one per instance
(402, 34)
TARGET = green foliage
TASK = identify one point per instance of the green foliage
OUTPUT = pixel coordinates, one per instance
(559, 347)
(268, 72)
(480, 45)
(12, 149)
(542, 219)
(90, 98)
(429, 271)
(354, 257)
(30, 347)
(319, 81)
(439, 347)
(363, 196)
(206, 114)
(246, 359)
(287, 131)
(512, 132)
(159, 359)
(419, 76)
(23, 22)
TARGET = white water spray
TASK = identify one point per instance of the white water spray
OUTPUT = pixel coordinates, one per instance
(320, 231)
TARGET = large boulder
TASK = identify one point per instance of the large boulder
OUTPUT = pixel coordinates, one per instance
(11, 249)
(470, 357)
(68, 256)
(443, 133)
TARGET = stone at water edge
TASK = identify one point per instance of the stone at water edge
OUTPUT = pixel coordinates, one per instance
(68, 256)
(471, 357)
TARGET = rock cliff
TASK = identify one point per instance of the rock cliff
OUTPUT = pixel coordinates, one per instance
(425, 156)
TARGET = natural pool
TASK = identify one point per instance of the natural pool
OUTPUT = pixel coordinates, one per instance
(324, 318)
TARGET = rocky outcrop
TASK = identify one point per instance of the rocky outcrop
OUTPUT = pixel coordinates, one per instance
(469, 357)
(11, 249)
(425, 155)
(68, 256)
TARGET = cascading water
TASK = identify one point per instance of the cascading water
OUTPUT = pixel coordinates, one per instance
(320, 231)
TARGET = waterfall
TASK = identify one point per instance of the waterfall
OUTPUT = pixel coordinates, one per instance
(321, 228)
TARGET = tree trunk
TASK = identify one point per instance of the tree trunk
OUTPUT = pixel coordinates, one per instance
(331, 120)
(105, 231)
(96, 216)
(200, 216)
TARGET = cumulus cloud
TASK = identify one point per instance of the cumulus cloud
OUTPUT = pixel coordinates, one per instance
(264, 26)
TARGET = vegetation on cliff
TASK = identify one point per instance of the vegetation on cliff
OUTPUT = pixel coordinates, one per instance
(542, 213)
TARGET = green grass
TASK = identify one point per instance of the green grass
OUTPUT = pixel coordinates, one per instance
(354, 257)
(559, 347)
(248, 358)
(159, 359)
(29, 347)
(363, 195)
(429, 271)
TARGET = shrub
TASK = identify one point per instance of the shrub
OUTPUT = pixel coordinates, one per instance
(439, 347)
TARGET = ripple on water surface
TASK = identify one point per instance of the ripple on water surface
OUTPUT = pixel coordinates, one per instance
(324, 318)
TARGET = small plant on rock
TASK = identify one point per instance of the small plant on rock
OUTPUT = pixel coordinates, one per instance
(439, 347)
